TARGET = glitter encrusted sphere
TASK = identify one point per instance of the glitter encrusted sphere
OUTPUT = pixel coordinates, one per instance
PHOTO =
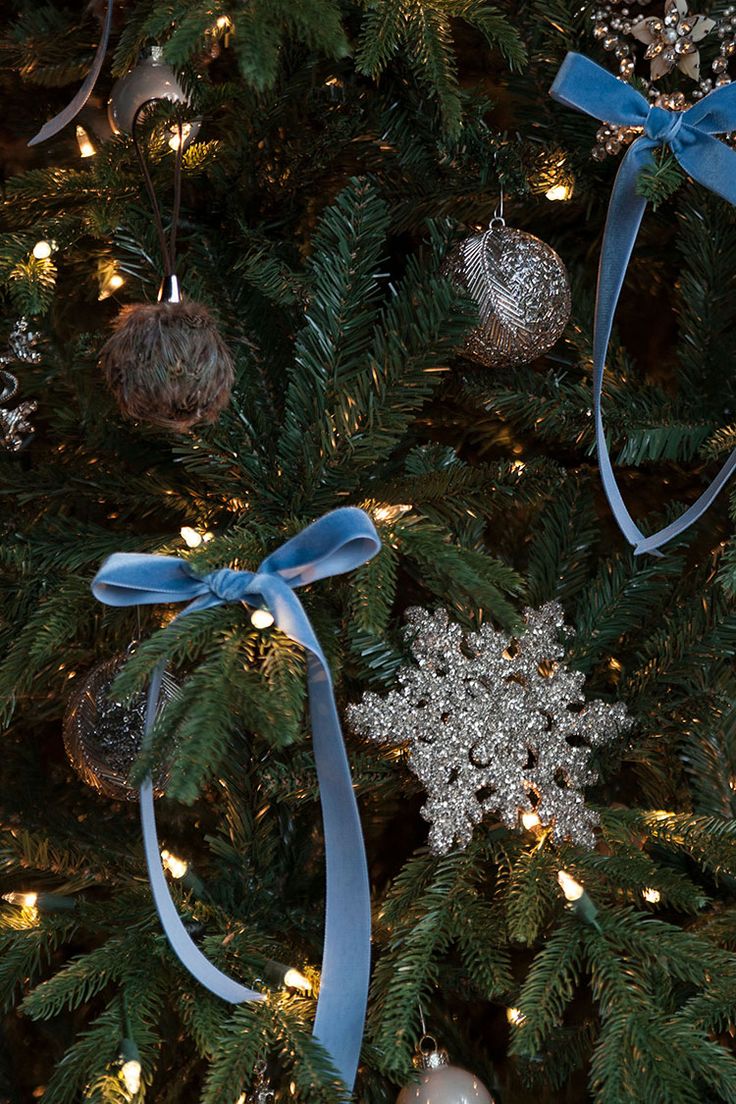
(102, 737)
(522, 290)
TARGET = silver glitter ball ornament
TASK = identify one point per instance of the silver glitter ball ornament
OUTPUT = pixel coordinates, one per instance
(102, 737)
(152, 79)
(522, 290)
(441, 1083)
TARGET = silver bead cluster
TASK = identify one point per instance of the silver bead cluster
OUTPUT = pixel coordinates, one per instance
(16, 429)
(493, 724)
(672, 41)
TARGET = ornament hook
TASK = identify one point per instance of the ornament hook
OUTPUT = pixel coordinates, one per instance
(498, 215)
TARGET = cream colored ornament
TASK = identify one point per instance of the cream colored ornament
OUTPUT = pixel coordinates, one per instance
(439, 1082)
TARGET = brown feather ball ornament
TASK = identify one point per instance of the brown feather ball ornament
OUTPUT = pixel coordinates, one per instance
(167, 364)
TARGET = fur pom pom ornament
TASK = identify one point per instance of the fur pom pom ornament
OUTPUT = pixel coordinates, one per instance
(166, 362)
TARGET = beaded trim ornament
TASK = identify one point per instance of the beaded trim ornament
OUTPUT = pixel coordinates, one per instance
(673, 39)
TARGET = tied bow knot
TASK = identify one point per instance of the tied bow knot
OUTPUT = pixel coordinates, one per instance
(587, 87)
(335, 544)
(663, 126)
(228, 585)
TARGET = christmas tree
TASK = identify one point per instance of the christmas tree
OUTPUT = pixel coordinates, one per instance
(538, 717)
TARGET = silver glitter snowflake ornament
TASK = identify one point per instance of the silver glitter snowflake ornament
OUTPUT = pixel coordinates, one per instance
(494, 725)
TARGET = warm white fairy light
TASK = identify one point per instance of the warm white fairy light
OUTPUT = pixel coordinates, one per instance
(391, 513)
(293, 979)
(573, 890)
(42, 250)
(108, 278)
(652, 896)
(130, 1072)
(190, 536)
(176, 867)
(530, 820)
(515, 1016)
(25, 900)
(86, 146)
(261, 619)
(559, 192)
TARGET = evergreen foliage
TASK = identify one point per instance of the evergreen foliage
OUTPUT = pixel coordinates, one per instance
(343, 146)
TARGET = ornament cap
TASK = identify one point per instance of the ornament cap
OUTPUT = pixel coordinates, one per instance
(428, 1055)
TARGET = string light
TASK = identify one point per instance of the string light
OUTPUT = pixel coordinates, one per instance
(579, 900)
(559, 192)
(194, 537)
(131, 1069)
(176, 867)
(42, 250)
(652, 896)
(25, 900)
(573, 890)
(390, 513)
(293, 979)
(530, 821)
(46, 902)
(86, 146)
(515, 1017)
(108, 278)
(261, 619)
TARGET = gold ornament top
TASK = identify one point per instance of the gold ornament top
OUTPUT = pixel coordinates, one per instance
(428, 1055)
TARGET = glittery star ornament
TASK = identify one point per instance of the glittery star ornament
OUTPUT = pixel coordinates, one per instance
(671, 40)
(494, 724)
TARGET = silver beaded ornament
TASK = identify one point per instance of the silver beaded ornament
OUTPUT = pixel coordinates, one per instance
(103, 737)
(522, 290)
(439, 1082)
(16, 429)
(494, 725)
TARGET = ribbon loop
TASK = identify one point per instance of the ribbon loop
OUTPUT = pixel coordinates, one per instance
(587, 87)
(336, 543)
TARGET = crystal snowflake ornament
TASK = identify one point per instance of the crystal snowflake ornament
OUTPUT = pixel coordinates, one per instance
(494, 724)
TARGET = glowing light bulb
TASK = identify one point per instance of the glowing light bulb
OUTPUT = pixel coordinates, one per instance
(391, 513)
(573, 890)
(191, 537)
(223, 22)
(42, 250)
(515, 1016)
(530, 821)
(130, 1072)
(293, 979)
(108, 278)
(86, 146)
(652, 896)
(176, 867)
(261, 619)
(179, 135)
(559, 192)
(25, 900)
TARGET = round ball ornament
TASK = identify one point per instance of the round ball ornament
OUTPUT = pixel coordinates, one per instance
(102, 737)
(150, 80)
(439, 1082)
(167, 364)
(522, 290)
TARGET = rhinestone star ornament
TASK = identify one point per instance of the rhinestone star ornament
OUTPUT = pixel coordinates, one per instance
(494, 724)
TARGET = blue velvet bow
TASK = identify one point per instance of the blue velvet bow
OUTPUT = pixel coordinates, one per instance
(587, 87)
(337, 543)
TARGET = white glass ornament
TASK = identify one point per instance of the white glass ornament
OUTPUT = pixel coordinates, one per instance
(152, 79)
(441, 1083)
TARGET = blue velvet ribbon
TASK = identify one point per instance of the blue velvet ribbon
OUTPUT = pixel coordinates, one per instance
(588, 87)
(336, 543)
